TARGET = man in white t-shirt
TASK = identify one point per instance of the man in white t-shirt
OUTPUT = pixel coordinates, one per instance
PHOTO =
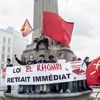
(61, 58)
(62, 87)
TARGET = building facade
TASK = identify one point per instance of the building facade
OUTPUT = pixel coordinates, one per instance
(11, 42)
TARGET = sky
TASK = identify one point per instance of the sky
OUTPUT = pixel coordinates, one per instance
(84, 13)
(86, 16)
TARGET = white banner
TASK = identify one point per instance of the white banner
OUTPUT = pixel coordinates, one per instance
(47, 73)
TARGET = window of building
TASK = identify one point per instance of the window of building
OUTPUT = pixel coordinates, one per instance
(0, 38)
(8, 56)
(4, 40)
(8, 49)
(3, 48)
(9, 41)
(3, 57)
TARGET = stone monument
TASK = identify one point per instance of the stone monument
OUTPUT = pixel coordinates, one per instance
(55, 49)
(39, 7)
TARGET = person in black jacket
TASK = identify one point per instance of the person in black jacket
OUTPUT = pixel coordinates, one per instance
(51, 59)
(32, 61)
(9, 65)
(43, 88)
(86, 62)
(42, 59)
(22, 88)
(22, 61)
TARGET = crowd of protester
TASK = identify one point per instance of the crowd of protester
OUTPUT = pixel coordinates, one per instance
(77, 86)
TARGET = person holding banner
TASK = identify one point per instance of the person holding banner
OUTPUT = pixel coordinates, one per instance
(51, 59)
(79, 83)
(76, 84)
(22, 88)
(32, 61)
(52, 86)
(43, 88)
(8, 65)
(62, 87)
(22, 61)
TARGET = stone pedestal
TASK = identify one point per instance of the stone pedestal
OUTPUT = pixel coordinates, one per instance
(53, 50)
(67, 96)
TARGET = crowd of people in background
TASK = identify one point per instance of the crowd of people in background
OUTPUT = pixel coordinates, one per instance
(77, 86)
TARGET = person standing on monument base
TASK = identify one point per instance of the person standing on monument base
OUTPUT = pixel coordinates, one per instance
(32, 61)
(62, 87)
(79, 82)
(22, 88)
(51, 59)
(43, 88)
(52, 86)
(76, 84)
(9, 65)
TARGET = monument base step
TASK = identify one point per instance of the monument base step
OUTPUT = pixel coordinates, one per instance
(63, 96)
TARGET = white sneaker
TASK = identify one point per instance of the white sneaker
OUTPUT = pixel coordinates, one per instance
(61, 91)
(68, 91)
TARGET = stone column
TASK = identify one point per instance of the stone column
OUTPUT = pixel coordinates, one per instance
(39, 7)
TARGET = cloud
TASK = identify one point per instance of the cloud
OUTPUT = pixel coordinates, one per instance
(85, 14)
(14, 13)
(82, 24)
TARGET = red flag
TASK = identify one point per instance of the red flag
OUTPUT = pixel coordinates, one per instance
(93, 72)
(56, 28)
(26, 28)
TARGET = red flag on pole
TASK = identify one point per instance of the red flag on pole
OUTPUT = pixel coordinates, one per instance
(93, 72)
(26, 28)
(56, 28)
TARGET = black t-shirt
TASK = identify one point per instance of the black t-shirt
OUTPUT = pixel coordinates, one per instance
(51, 61)
(32, 62)
(20, 62)
(9, 65)
(42, 61)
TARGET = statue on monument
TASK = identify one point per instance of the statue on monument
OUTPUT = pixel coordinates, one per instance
(41, 40)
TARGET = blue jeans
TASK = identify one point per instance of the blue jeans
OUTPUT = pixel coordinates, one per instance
(31, 88)
(22, 88)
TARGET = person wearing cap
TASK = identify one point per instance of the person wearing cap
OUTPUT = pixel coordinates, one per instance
(43, 88)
